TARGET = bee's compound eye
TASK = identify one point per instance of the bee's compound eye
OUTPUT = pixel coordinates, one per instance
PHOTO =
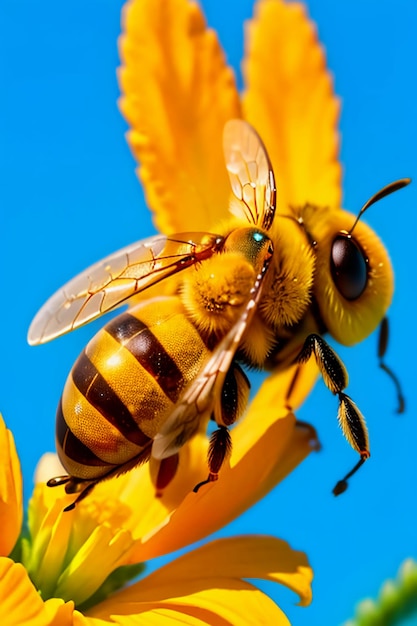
(349, 267)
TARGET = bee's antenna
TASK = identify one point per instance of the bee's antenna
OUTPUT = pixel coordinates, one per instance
(382, 193)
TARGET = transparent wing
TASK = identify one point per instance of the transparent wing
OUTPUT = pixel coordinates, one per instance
(203, 395)
(109, 282)
(250, 173)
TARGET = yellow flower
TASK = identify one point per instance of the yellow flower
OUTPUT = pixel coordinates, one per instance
(75, 558)
(68, 567)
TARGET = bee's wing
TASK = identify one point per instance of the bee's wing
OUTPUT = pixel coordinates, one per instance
(250, 172)
(109, 282)
(203, 395)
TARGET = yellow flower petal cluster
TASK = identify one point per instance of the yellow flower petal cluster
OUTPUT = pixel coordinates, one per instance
(177, 93)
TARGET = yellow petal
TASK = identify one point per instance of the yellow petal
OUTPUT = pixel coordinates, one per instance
(72, 553)
(11, 508)
(50, 534)
(267, 445)
(177, 94)
(260, 557)
(237, 604)
(206, 584)
(21, 604)
(289, 99)
(97, 559)
(148, 617)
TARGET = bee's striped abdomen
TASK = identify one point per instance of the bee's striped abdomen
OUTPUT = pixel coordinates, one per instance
(99, 393)
(136, 337)
(124, 385)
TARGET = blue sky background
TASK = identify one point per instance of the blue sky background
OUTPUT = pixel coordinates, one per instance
(69, 196)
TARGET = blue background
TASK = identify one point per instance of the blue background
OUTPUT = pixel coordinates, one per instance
(69, 196)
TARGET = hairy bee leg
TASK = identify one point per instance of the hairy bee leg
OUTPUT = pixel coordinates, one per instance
(233, 401)
(331, 367)
(382, 348)
(219, 448)
(353, 425)
(354, 428)
(350, 418)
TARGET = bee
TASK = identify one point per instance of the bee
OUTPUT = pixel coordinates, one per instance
(260, 293)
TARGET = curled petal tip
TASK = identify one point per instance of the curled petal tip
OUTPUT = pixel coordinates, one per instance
(314, 442)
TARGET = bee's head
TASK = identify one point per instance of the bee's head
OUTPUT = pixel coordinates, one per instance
(354, 280)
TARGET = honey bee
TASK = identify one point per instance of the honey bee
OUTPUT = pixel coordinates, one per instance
(260, 293)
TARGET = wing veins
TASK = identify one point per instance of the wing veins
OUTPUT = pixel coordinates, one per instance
(110, 282)
(251, 175)
(127, 278)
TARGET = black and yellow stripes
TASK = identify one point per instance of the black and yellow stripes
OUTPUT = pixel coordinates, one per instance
(97, 390)
(124, 385)
(72, 446)
(136, 337)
